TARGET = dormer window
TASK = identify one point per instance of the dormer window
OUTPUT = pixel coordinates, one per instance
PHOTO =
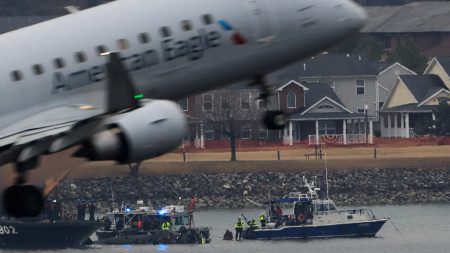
(291, 100)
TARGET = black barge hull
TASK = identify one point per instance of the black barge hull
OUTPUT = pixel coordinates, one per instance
(45, 235)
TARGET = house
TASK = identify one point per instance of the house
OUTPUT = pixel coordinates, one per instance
(426, 24)
(410, 103)
(386, 78)
(318, 115)
(352, 77)
(440, 66)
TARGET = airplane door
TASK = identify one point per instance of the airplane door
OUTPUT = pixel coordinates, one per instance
(261, 20)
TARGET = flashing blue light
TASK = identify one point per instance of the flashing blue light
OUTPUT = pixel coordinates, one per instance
(162, 247)
(127, 246)
(162, 212)
(128, 210)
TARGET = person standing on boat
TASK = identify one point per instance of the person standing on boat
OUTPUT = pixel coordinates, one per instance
(91, 210)
(165, 226)
(262, 220)
(239, 227)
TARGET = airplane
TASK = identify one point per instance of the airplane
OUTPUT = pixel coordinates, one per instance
(105, 78)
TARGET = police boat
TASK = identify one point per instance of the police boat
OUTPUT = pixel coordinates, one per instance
(302, 215)
(145, 225)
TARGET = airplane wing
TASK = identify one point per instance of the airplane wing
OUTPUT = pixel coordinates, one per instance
(58, 128)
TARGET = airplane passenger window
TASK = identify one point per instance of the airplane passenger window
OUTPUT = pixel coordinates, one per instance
(101, 49)
(16, 75)
(38, 69)
(143, 38)
(186, 25)
(80, 57)
(59, 63)
(165, 32)
(123, 44)
(207, 19)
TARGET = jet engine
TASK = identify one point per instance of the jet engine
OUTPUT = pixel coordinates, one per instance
(150, 131)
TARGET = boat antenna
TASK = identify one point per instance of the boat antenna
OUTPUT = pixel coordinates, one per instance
(112, 198)
(326, 169)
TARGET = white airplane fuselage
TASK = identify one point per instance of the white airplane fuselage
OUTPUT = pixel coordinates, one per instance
(237, 39)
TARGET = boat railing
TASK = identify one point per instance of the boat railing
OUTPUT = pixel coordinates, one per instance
(362, 211)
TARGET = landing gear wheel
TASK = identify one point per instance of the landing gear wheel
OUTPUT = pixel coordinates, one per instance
(275, 120)
(23, 201)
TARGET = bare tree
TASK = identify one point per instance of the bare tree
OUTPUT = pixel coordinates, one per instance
(230, 113)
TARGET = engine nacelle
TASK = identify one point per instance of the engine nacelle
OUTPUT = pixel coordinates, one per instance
(150, 131)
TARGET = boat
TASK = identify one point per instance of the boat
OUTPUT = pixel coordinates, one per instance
(143, 225)
(306, 215)
(44, 234)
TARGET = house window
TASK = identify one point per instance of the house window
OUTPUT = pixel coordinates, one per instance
(360, 87)
(263, 134)
(260, 103)
(246, 131)
(37, 69)
(360, 110)
(123, 44)
(16, 75)
(327, 127)
(208, 134)
(291, 100)
(245, 101)
(183, 104)
(207, 102)
(325, 107)
(225, 102)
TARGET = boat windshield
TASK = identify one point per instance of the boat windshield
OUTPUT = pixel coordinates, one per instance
(324, 206)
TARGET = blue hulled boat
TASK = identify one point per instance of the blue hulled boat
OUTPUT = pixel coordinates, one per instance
(305, 215)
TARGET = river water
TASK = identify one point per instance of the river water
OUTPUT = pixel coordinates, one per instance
(418, 228)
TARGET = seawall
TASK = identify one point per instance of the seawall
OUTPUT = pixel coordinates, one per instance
(346, 187)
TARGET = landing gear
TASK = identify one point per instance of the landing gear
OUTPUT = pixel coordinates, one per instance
(274, 120)
(22, 200)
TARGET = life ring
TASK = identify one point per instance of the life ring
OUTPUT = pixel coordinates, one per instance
(301, 217)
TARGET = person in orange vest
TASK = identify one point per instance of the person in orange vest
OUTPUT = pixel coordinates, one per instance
(139, 224)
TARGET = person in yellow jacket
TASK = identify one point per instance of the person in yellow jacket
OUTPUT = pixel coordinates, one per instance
(165, 226)
(262, 220)
(239, 227)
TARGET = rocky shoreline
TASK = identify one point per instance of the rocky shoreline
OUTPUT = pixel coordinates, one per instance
(346, 187)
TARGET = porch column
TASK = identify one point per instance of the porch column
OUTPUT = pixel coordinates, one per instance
(202, 137)
(317, 132)
(402, 125)
(285, 135)
(344, 127)
(389, 125)
(407, 125)
(291, 136)
(433, 116)
(382, 130)
(395, 125)
(197, 138)
(370, 132)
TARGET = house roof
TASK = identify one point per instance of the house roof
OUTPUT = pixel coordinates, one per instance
(325, 65)
(445, 63)
(428, 16)
(318, 91)
(410, 108)
(422, 86)
(327, 116)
